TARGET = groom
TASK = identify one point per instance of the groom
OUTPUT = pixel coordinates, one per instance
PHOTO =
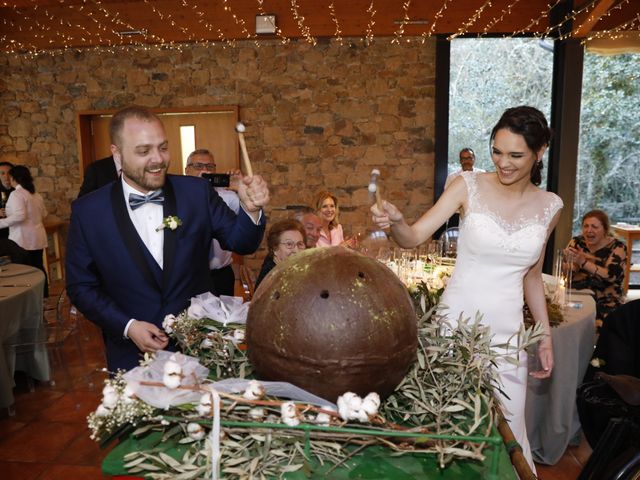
(125, 272)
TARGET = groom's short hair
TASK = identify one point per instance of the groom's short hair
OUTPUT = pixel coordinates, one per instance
(117, 121)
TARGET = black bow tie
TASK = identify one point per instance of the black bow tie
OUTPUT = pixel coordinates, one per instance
(136, 200)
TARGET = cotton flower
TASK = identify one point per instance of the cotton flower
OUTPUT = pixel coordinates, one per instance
(168, 322)
(206, 343)
(254, 390)
(324, 418)
(289, 414)
(129, 394)
(352, 407)
(195, 431)
(371, 403)
(205, 407)
(238, 335)
(172, 374)
(109, 396)
(348, 403)
(256, 413)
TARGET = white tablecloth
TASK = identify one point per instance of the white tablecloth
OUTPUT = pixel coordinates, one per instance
(20, 308)
(551, 413)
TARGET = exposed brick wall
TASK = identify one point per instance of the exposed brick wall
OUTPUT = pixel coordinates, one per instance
(320, 116)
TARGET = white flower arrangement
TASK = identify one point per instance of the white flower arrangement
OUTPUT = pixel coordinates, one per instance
(171, 222)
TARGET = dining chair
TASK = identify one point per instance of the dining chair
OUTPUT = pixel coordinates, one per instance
(247, 282)
(54, 333)
(450, 240)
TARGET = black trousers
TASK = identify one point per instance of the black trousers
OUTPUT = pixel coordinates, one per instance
(223, 280)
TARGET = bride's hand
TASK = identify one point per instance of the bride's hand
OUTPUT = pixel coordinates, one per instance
(388, 215)
(545, 354)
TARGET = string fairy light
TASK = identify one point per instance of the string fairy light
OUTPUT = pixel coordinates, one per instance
(397, 35)
(210, 28)
(614, 33)
(505, 12)
(169, 18)
(304, 29)
(238, 21)
(473, 19)
(439, 14)
(109, 28)
(543, 14)
(338, 33)
(279, 33)
(369, 32)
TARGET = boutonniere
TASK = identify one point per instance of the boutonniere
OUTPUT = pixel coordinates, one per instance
(171, 222)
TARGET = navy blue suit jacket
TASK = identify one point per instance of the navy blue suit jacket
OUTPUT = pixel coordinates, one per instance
(112, 277)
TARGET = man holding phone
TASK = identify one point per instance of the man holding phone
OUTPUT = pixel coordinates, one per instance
(200, 163)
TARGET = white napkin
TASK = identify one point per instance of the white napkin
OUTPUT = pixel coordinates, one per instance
(163, 397)
(223, 309)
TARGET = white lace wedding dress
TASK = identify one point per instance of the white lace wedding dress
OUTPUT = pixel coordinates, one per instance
(494, 254)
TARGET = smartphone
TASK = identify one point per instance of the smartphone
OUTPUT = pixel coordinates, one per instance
(217, 179)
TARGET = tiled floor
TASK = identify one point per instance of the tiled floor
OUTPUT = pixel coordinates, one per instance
(48, 439)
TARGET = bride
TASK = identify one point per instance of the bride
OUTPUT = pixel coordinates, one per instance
(506, 221)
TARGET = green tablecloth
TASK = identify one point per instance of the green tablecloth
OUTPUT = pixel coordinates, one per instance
(371, 463)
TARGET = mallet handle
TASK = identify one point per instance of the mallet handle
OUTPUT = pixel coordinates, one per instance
(246, 163)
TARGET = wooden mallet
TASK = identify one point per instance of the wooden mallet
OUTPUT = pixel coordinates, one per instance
(373, 187)
(240, 128)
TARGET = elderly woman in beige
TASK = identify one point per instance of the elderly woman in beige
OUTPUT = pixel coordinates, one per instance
(25, 213)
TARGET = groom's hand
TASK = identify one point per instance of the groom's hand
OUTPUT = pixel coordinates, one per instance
(147, 336)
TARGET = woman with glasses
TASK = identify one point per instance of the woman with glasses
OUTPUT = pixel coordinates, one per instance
(285, 238)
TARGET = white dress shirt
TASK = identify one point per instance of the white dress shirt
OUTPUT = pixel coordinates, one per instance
(219, 258)
(147, 219)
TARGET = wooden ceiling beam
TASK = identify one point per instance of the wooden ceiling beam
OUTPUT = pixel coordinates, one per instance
(582, 28)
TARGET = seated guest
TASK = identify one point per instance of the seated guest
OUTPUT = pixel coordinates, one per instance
(15, 252)
(311, 223)
(285, 238)
(25, 214)
(331, 233)
(598, 263)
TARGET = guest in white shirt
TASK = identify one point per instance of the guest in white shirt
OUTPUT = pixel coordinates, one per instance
(467, 160)
(198, 162)
(25, 213)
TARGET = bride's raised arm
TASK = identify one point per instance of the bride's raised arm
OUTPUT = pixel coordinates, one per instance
(409, 236)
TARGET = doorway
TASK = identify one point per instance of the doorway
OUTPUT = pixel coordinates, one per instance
(212, 128)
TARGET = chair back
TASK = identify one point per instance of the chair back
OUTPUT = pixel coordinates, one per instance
(66, 317)
(450, 241)
(248, 284)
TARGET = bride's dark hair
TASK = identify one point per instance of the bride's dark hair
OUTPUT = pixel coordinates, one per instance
(532, 125)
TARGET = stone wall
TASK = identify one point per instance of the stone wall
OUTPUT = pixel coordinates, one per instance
(320, 116)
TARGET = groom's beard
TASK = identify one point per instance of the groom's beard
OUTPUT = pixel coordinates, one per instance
(148, 177)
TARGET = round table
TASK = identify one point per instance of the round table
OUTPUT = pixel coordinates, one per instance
(21, 300)
(551, 412)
